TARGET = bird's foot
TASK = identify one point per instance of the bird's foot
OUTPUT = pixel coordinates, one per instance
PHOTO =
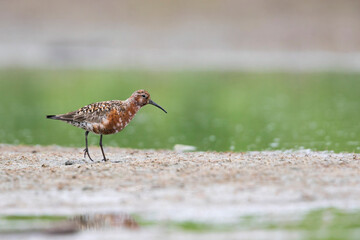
(86, 152)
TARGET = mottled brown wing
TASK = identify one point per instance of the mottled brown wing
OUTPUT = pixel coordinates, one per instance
(95, 112)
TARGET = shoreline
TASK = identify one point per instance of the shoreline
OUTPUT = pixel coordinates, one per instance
(208, 186)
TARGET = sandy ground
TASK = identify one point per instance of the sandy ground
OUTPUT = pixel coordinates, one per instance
(168, 185)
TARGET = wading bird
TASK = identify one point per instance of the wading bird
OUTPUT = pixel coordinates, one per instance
(107, 117)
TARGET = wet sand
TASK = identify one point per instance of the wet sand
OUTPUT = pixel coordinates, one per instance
(168, 185)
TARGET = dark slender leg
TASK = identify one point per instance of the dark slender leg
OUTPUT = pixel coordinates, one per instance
(102, 150)
(86, 150)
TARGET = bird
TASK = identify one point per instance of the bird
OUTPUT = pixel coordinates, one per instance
(107, 117)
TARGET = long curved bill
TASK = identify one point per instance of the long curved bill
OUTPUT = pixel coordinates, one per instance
(156, 105)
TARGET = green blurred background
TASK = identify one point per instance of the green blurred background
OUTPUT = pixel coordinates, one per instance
(233, 75)
(212, 110)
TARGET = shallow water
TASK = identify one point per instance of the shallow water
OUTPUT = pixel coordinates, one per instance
(221, 111)
(328, 223)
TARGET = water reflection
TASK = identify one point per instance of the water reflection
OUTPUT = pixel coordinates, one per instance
(100, 221)
(59, 225)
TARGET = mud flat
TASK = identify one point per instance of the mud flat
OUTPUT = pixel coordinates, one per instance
(164, 185)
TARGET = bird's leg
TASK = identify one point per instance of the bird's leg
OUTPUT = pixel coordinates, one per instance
(86, 150)
(102, 150)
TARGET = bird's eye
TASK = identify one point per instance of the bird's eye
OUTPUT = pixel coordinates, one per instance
(143, 96)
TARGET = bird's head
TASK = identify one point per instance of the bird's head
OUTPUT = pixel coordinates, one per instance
(142, 97)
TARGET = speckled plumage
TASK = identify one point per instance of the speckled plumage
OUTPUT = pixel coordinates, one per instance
(107, 117)
(103, 117)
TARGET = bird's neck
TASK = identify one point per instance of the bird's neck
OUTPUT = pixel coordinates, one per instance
(132, 107)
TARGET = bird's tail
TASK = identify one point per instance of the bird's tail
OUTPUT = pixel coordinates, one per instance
(55, 117)
(52, 116)
(63, 117)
